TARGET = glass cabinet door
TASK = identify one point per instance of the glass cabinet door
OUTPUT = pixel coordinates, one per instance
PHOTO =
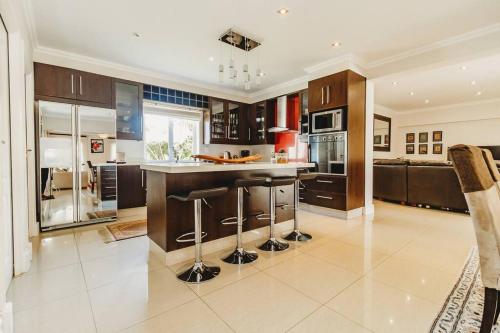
(217, 120)
(260, 119)
(234, 111)
(128, 111)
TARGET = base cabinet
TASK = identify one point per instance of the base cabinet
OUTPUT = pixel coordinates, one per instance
(131, 185)
(325, 191)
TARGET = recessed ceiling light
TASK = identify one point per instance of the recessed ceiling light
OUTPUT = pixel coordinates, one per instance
(412, 93)
(426, 101)
(395, 83)
(479, 93)
(136, 34)
(473, 82)
(336, 44)
(283, 11)
(463, 68)
(211, 58)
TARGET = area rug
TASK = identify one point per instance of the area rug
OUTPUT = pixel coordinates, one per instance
(463, 310)
(125, 230)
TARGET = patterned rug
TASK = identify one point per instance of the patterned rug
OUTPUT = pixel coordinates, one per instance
(125, 230)
(463, 310)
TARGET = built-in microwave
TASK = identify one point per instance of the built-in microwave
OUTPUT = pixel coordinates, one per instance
(327, 121)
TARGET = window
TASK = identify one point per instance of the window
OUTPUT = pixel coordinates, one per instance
(171, 134)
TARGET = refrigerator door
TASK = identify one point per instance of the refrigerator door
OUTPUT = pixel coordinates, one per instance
(97, 190)
(57, 164)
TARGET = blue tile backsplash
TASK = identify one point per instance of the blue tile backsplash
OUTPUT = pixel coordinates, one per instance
(155, 93)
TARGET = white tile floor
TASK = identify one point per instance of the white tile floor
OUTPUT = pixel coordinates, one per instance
(390, 273)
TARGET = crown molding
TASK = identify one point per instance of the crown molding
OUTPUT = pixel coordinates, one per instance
(125, 72)
(280, 88)
(347, 59)
(435, 46)
(30, 21)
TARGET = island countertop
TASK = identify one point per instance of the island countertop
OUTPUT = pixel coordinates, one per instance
(211, 167)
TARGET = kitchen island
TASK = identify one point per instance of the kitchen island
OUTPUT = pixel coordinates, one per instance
(168, 219)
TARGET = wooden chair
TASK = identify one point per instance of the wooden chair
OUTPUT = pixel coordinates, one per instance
(93, 176)
(479, 179)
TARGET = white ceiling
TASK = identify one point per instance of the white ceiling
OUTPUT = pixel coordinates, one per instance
(450, 84)
(178, 37)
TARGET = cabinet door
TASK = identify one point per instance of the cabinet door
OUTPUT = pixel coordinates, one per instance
(94, 88)
(218, 129)
(335, 90)
(234, 122)
(260, 123)
(54, 81)
(131, 186)
(316, 98)
(128, 105)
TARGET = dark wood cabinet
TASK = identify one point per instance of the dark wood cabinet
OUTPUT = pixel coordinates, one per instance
(93, 88)
(131, 183)
(328, 92)
(326, 191)
(106, 183)
(128, 102)
(54, 81)
(227, 122)
(59, 84)
(260, 118)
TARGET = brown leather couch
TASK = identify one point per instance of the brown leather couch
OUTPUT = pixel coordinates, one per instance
(427, 183)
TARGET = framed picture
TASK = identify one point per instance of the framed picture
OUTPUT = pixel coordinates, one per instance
(422, 149)
(410, 149)
(423, 137)
(96, 146)
(437, 148)
(377, 139)
(410, 137)
(437, 136)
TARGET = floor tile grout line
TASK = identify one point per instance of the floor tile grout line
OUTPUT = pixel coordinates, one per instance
(216, 314)
(86, 286)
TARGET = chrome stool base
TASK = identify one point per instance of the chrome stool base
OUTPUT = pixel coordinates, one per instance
(240, 256)
(274, 245)
(298, 236)
(199, 272)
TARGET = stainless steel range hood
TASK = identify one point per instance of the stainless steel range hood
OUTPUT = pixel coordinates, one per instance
(280, 117)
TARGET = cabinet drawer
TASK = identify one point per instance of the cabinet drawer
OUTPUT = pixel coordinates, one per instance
(327, 183)
(325, 199)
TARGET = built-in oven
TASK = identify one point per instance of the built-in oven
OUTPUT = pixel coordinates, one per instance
(327, 121)
(329, 152)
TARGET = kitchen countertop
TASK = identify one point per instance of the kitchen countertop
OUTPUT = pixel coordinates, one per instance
(115, 164)
(211, 167)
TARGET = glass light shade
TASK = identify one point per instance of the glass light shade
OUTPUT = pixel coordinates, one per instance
(221, 73)
(247, 85)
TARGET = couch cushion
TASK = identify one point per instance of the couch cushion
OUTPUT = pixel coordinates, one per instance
(392, 161)
(429, 163)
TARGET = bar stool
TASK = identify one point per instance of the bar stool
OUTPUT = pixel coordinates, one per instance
(239, 255)
(198, 272)
(296, 235)
(272, 244)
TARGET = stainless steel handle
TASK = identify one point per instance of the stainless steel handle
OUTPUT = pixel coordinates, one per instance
(327, 94)
(249, 134)
(322, 95)
(110, 187)
(72, 84)
(81, 88)
(324, 181)
(323, 197)
(142, 178)
(301, 198)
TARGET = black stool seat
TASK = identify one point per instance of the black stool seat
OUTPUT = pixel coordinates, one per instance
(199, 194)
(279, 181)
(249, 182)
(307, 175)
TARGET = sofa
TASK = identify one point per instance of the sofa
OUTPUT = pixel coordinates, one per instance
(426, 183)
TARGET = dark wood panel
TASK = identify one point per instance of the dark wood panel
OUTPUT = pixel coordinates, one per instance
(94, 88)
(328, 92)
(131, 185)
(356, 128)
(324, 199)
(54, 81)
(157, 208)
(328, 183)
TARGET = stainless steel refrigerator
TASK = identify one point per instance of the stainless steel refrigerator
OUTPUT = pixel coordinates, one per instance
(76, 169)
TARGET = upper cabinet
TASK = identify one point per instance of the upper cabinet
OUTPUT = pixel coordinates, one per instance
(60, 84)
(260, 118)
(226, 122)
(129, 114)
(328, 92)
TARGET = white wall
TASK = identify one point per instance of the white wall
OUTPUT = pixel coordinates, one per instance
(469, 123)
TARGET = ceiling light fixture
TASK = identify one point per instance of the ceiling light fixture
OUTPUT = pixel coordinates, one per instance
(136, 34)
(336, 44)
(211, 59)
(283, 11)
(426, 101)
(473, 82)
(479, 93)
(463, 68)
(395, 83)
(412, 93)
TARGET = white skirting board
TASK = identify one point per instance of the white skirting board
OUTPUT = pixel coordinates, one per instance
(6, 318)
